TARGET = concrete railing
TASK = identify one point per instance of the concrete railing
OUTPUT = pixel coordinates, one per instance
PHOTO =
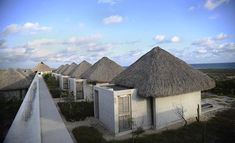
(38, 120)
(26, 125)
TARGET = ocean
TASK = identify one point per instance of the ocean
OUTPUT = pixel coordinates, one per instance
(214, 66)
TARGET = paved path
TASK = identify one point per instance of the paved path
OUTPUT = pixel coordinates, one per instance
(53, 129)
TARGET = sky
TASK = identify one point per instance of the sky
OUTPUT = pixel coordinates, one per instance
(64, 31)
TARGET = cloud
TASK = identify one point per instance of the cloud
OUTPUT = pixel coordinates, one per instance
(111, 2)
(175, 39)
(72, 49)
(194, 7)
(215, 46)
(212, 4)
(159, 38)
(2, 43)
(27, 27)
(213, 17)
(113, 19)
(164, 39)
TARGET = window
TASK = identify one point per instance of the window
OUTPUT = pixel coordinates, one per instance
(65, 81)
(124, 111)
(79, 90)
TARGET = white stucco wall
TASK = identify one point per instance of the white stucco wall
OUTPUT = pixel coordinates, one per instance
(72, 87)
(106, 108)
(61, 81)
(141, 112)
(165, 108)
(88, 91)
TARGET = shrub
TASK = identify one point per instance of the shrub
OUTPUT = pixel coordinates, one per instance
(87, 135)
(8, 110)
(225, 87)
(76, 111)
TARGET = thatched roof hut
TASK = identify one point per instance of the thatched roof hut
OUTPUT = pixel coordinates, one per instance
(103, 70)
(80, 69)
(63, 69)
(13, 80)
(28, 73)
(159, 74)
(59, 68)
(41, 67)
(70, 69)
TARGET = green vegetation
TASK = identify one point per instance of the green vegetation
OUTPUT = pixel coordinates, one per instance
(76, 111)
(8, 110)
(225, 87)
(219, 74)
(53, 85)
(219, 129)
(225, 81)
(88, 135)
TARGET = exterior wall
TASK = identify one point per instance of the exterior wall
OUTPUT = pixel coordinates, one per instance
(141, 111)
(56, 75)
(165, 108)
(106, 108)
(72, 86)
(61, 82)
(88, 91)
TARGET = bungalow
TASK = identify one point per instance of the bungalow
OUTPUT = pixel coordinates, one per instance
(64, 76)
(14, 83)
(42, 68)
(157, 91)
(102, 72)
(75, 81)
(56, 74)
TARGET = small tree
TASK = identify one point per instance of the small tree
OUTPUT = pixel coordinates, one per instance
(179, 110)
(135, 131)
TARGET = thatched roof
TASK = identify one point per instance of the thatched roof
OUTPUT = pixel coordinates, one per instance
(80, 69)
(12, 80)
(63, 69)
(59, 68)
(28, 73)
(70, 69)
(103, 70)
(158, 74)
(41, 67)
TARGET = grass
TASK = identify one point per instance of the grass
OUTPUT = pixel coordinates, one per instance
(8, 111)
(76, 111)
(53, 85)
(219, 129)
(88, 135)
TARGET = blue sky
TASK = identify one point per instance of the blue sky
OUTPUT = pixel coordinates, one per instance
(64, 31)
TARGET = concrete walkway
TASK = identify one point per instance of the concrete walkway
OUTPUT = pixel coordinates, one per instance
(53, 129)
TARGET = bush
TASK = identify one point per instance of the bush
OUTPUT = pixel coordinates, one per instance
(8, 110)
(87, 135)
(76, 111)
(224, 87)
(53, 85)
(219, 129)
(55, 92)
